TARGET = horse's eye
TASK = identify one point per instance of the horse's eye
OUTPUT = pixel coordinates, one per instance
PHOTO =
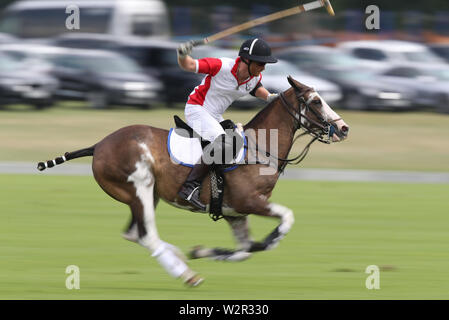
(316, 102)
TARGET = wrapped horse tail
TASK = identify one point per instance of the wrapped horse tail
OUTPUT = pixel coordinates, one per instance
(87, 152)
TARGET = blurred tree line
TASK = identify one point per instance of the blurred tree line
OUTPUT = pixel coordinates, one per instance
(418, 5)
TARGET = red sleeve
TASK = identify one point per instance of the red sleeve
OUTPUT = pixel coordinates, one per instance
(209, 66)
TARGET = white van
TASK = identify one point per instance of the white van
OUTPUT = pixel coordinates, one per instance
(33, 19)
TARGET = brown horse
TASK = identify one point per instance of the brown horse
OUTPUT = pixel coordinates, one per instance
(133, 166)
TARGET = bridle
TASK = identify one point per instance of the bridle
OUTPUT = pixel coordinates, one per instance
(324, 128)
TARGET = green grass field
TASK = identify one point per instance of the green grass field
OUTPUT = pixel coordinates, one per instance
(50, 222)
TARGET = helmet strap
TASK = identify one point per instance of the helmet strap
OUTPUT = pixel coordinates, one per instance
(248, 63)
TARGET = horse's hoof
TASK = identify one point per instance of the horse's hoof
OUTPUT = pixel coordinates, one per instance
(236, 256)
(130, 237)
(194, 281)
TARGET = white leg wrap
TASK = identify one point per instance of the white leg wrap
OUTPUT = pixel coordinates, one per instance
(286, 215)
(171, 263)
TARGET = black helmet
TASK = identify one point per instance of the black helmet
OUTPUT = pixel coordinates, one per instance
(257, 50)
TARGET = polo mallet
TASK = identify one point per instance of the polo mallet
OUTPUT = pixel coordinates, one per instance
(268, 18)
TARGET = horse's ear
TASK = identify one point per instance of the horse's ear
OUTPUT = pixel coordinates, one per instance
(296, 84)
(291, 80)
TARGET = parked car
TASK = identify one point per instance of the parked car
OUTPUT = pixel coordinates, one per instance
(33, 19)
(363, 90)
(100, 77)
(360, 88)
(159, 59)
(441, 49)
(7, 38)
(314, 58)
(21, 84)
(430, 84)
(82, 40)
(378, 54)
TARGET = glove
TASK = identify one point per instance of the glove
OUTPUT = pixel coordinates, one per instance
(185, 48)
(272, 96)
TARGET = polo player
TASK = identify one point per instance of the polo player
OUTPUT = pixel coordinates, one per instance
(226, 80)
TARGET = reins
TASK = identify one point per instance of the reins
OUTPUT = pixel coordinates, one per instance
(324, 128)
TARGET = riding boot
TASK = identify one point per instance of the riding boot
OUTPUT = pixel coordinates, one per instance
(190, 190)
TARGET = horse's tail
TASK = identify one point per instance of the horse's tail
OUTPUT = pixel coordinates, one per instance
(66, 157)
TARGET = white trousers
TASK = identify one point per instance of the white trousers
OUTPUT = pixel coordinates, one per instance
(205, 124)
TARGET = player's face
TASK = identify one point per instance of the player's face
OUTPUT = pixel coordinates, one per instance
(256, 68)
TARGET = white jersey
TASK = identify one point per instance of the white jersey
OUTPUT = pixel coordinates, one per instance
(220, 86)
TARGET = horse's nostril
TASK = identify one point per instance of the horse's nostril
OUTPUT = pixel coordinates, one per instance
(345, 129)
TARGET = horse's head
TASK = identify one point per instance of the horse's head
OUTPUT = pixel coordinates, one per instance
(315, 116)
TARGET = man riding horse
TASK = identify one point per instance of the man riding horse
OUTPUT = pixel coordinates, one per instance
(226, 80)
(133, 164)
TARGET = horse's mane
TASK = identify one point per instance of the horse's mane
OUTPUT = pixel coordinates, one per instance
(264, 113)
(261, 115)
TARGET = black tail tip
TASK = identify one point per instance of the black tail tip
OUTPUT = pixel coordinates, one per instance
(41, 166)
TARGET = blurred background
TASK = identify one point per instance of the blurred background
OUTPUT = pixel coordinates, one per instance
(63, 90)
(123, 53)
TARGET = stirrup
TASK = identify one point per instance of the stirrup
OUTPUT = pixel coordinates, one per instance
(193, 198)
(189, 197)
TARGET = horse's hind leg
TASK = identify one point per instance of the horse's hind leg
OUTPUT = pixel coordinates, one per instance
(239, 226)
(142, 208)
(131, 233)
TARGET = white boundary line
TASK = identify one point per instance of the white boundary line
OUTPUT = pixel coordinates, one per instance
(290, 174)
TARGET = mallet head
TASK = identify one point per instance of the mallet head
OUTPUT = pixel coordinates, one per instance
(328, 6)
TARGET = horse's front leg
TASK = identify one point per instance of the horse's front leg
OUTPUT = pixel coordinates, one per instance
(239, 226)
(272, 240)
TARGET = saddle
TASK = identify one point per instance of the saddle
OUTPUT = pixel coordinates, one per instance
(185, 146)
(184, 138)
(180, 124)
